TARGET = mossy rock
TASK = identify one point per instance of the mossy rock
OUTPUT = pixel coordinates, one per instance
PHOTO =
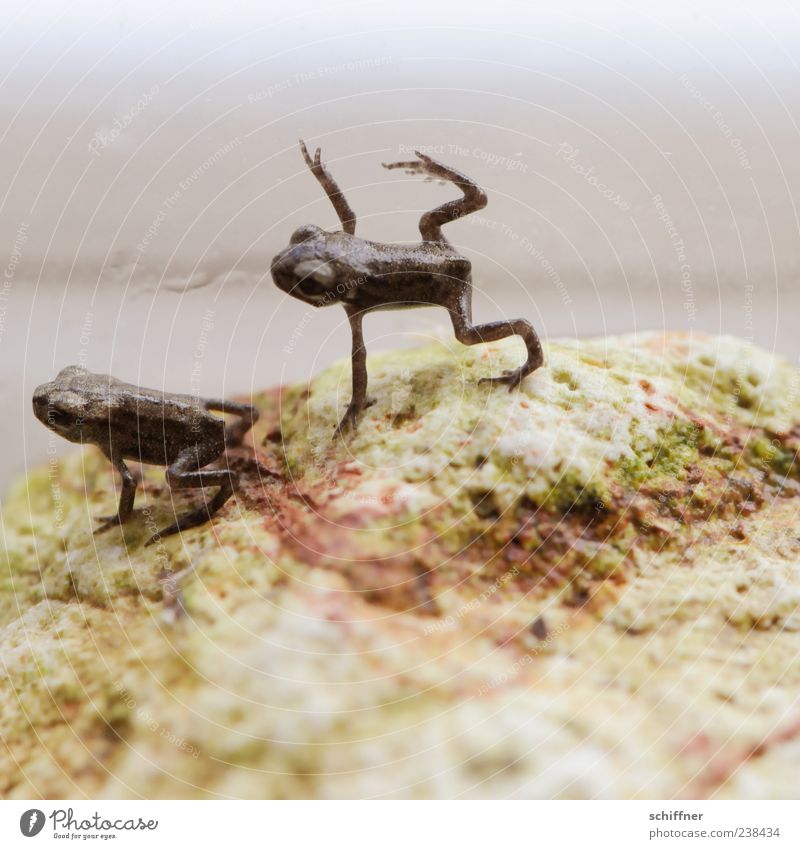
(588, 587)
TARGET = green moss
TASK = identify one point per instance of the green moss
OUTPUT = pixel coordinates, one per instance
(744, 382)
(571, 492)
(565, 376)
(605, 561)
(676, 448)
(773, 454)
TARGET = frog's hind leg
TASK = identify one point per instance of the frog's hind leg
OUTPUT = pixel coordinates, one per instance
(187, 473)
(126, 497)
(430, 225)
(469, 334)
(236, 431)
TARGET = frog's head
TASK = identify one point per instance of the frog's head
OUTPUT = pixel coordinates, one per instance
(313, 268)
(61, 404)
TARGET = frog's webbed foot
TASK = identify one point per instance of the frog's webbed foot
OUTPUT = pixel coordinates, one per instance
(126, 498)
(193, 518)
(474, 198)
(107, 519)
(512, 377)
(349, 421)
(107, 522)
(413, 167)
(115, 521)
(351, 415)
(468, 334)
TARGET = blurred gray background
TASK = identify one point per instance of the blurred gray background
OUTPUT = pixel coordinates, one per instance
(641, 162)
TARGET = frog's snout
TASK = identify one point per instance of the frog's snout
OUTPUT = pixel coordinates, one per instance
(40, 403)
(283, 269)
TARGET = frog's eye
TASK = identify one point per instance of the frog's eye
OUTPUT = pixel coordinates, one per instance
(321, 272)
(303, 234)
(71, 371)
(66, 407)
(58, 417)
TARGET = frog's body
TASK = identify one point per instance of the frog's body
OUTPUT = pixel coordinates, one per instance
(323, 268)
(166, 423)
(371, 275)
(128, 422)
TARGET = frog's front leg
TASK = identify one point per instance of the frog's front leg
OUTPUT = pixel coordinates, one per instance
(332, 190)
(187, 473)
(126, 497)
(359, 398)
(469, 334)
(236, 431)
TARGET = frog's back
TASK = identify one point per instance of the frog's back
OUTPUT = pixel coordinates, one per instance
(398, 275)
(152, 426)
(434, 258)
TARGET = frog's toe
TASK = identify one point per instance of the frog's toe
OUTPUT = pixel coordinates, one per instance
(107, 522)
(189, 520)
(349, 421)
(157, 536)
(174, 528)
(511, 377)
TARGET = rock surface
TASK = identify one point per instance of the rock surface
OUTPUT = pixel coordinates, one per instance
(586, 588)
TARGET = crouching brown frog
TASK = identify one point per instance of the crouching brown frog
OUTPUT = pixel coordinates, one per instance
(322, 268)
(127, 422)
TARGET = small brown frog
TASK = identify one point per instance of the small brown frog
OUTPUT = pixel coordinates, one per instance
(127, 422)
(322, 268)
